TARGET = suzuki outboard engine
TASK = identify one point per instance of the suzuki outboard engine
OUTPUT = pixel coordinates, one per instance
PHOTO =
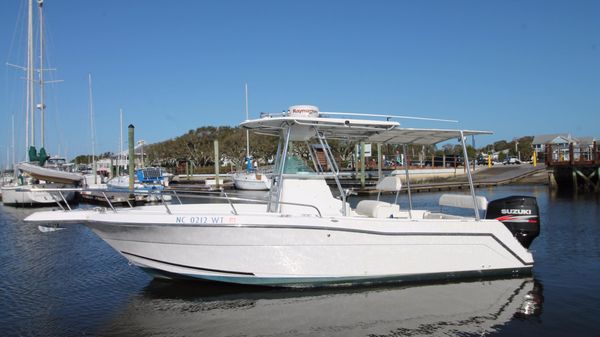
(519, 214)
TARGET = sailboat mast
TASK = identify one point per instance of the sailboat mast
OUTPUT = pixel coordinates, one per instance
(93, 131)
(247, 132)
(13, 141)
(42, 107)
(120, 141)
(29, 116)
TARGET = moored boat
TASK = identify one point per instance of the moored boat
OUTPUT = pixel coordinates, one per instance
(36, 194)
(304, 236)
(251, 181)
(149, 180)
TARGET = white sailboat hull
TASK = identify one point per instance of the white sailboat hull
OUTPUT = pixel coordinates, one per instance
(267, 249)
(251, 181)
(28, 196)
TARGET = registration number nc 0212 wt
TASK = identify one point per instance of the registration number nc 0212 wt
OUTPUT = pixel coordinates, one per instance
(205, 220)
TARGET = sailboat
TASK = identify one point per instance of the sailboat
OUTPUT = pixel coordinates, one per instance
(35, 176)
(250, 179)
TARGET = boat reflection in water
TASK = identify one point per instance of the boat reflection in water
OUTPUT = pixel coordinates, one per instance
(478, 307)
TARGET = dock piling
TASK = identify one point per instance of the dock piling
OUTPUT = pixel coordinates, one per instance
(131, 159)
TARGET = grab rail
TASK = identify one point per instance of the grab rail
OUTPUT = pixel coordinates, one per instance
(259, 201)
(187, 194)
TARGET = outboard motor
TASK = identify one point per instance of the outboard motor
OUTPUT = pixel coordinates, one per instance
(520, 214)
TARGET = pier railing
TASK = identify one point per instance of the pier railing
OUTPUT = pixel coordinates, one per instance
(573, 155)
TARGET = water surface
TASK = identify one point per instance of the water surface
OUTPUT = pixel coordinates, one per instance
(69, 282)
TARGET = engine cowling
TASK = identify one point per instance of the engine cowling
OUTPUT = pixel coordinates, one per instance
(520, 214)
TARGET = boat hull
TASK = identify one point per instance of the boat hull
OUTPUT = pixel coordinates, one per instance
(50, 175)
(251, 182)
(317, 251)
(28, 196)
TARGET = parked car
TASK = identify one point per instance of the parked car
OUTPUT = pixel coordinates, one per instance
(483, 160)
(511, 160)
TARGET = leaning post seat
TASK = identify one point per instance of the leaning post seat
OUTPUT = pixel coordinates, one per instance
(463, 201)
(381, 209)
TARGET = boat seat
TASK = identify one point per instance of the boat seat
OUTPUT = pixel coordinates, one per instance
(380, 209)
(389, 184)
(463, 201)
(377, 209)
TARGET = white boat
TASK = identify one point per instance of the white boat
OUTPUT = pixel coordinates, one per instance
(304, 236)
(121, 182)
(5, 180)
(149, 181)
(251, 179)
(36, 186)
(36, 194)
(146, 179)
(54, 175)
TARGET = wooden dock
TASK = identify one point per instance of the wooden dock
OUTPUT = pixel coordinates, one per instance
(487, 177)
(576, 168)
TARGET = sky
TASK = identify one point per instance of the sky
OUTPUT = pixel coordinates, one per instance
(516, 68)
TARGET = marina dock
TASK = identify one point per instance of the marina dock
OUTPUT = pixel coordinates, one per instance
(483, 177)
(574, 168)
(435, 180)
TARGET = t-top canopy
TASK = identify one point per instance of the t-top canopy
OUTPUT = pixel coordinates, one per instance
(374, 131)
(420, 136)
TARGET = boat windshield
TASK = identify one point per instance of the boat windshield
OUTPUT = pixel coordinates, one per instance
(298, 159)
(294, 164)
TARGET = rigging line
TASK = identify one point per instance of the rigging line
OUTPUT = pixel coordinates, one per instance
(14, 90)
(19, 27)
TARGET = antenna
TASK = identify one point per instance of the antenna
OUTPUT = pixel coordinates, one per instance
(247, 132)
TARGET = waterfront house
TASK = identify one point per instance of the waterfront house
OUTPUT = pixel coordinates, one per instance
(557, 140)
(560, 143)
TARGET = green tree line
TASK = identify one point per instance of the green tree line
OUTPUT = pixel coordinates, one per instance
(197, 146)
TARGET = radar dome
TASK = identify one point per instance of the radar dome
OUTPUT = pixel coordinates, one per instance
(303, 111)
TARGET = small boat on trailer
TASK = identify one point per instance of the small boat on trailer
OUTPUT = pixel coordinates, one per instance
(304, 236)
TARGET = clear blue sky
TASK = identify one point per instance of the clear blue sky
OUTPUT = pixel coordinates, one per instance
(514, 67)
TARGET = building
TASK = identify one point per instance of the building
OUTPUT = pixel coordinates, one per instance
(560, 143)
(122, 159)
(557, 140)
